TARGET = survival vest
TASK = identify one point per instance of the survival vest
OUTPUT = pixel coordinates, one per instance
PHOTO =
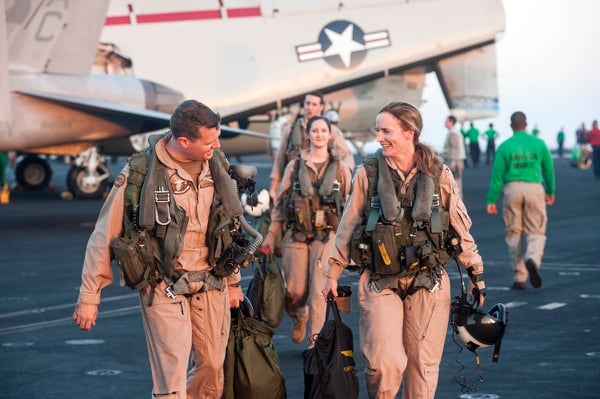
(404, 232)
(297, 141)
(154, 225)
(313, 207)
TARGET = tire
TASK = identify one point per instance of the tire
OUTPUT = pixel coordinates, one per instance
(76, 185)
(33, 173)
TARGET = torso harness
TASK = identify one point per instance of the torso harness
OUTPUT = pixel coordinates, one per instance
(159, 224)
(297, 141)
(313, 207)
(405, 232)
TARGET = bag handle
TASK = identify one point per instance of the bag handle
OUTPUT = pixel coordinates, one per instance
(332, 305)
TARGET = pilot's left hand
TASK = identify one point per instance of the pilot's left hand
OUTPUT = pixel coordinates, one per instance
(478, 290)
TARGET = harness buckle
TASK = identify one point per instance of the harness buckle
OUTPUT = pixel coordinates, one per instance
(375, 202)
(162, 215)
(436, 200)
(336, 185)
(170, 293)
(162, 195)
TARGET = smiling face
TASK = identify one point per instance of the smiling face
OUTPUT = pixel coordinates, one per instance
(391, 136)
(202, 147)
(319, 132)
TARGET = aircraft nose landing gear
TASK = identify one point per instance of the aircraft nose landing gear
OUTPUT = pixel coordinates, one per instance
(88, 177)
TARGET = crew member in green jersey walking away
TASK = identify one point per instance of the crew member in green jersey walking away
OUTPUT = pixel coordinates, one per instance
(523, 170)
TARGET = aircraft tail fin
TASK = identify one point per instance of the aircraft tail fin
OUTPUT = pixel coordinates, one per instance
(470, 84)
(54, 36)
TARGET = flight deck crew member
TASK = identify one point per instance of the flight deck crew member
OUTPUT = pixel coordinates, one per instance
(409, 203)
(474, 150)
(309, 206)
(198, 321)
(523, 171)
(454, 151)
(594, 140)
(490, 150)
(294, 138)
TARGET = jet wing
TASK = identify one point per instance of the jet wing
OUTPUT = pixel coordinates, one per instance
(137, 120)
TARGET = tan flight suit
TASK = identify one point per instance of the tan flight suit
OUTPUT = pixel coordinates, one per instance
(454, 156)
(197, 323)
(304, 264)
(336, 142)
(402, 340)
(525, 218)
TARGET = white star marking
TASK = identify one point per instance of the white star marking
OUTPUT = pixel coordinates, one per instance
(342, 44)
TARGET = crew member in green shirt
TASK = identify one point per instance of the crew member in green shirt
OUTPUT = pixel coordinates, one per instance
(523, 170)
(474, 150)
(560, 139)
(490, 152)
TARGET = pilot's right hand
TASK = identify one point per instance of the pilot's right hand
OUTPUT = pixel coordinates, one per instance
(85, 315)
(268, 244)
(331, 285)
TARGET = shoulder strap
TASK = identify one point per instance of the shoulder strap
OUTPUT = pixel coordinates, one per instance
(372, 169)
(436, 219)
(135, 180)
(225, 186)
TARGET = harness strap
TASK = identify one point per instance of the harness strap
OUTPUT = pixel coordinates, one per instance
(391, 209)
(162, 214)
(211, 282)
(373, 214)
(297, 138)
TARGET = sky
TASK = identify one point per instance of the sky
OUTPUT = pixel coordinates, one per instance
(548, 67)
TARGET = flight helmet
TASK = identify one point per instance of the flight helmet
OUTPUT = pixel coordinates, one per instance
(476, 328)
(333, 116)
(261, 206)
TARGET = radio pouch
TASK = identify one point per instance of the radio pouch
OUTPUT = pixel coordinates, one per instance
(360, 247)
(302, 210)
(385, 250)
(129, 254)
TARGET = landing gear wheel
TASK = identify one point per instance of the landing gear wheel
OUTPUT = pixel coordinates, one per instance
(33, 173)
(83, 187)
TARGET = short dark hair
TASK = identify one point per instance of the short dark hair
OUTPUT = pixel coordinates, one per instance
(316, 94)
(518, 120)
(452, 118)
(189, 116)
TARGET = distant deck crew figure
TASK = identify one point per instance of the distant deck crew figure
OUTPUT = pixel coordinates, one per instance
(490, 135)
(594, 140)
(454, 151)
(560, 140)
(474, 149)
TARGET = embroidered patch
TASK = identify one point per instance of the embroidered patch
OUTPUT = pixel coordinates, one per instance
(179, 185)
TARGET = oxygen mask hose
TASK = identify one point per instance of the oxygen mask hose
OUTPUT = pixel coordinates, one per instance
(251, 231)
